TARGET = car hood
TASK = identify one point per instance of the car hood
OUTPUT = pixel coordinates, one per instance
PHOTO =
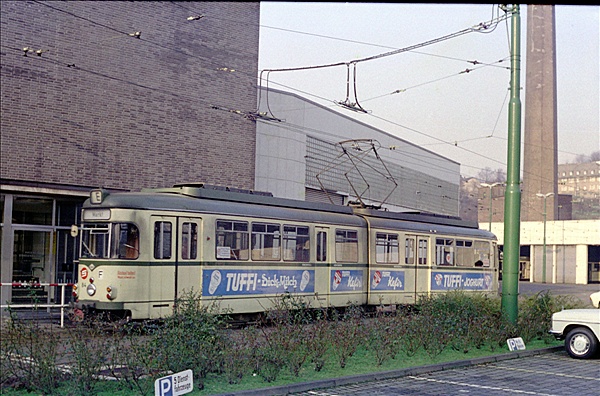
(591, 314)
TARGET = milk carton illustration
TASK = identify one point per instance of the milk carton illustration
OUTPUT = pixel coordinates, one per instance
(215, 281)
(305, 280)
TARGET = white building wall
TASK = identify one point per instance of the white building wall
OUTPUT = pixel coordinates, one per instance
(281, 150)
(581, 264)
(566, 248)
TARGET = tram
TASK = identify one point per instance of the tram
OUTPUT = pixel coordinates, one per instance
(141, 251)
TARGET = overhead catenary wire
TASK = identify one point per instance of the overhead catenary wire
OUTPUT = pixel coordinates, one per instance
(128, 33)
(490, 25)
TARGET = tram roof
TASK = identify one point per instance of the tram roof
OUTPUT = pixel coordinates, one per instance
(423, 223)
(198, 199)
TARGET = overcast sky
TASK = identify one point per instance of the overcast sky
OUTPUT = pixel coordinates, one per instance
(425, 95)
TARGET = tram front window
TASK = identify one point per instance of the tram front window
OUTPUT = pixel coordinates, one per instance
(103, 241)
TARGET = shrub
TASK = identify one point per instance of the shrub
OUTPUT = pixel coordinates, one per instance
(535, 314)
(347, 332)
(190, 338)
(31, 356)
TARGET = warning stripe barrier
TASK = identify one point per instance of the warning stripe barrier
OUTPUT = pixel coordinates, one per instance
(26, 284)
(62, 304)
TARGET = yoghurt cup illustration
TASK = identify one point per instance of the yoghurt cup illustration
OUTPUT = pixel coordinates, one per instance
(376, 279)
(337, 279)
(215, 281)
(305, 280)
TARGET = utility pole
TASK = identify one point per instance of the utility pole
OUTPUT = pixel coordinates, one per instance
(512, 209)
(545, 196)
(491, 187)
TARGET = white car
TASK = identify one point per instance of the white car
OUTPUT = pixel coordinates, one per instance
(580, 328)
(595, 297)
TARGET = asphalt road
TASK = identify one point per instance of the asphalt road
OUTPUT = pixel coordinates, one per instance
(581, 292)
(548, 372)
(552, 373)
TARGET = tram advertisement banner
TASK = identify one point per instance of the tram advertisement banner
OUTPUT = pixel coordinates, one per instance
(460, 280)
(221, 282)
(387, 280)
(345, 280)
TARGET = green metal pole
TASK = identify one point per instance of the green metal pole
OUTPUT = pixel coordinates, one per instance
(512, 209)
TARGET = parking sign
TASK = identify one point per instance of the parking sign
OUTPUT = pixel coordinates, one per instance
(174, 384)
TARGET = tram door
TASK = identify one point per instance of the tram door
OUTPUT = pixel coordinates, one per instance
(322, 265)
(410, 262)
(161, 283)
(423, 266)
(188, 274)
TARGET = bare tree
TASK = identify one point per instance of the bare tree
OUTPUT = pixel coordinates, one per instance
(582, 158)
(488, 175)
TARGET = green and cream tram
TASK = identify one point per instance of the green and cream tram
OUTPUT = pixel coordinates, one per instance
(140, 251)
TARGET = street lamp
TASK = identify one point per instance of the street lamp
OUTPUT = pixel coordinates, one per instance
(490, 186)
(545, 196)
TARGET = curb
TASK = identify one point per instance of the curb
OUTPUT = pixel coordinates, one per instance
(384, 375)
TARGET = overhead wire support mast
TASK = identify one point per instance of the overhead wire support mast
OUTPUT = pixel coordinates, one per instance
(512, 208)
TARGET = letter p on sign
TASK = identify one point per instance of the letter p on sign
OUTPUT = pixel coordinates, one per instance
(164, 386)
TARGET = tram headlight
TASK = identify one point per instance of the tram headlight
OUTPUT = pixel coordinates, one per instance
(91, 289)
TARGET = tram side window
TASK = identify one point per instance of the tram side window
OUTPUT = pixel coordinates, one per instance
(482, 254)
(162, 240)
(464, 253)
(266, 242)
(296, 246)
(423, 251)
(444, 249)
(321, 246)
(232, 240)
(125, 241)
(409, 251)
(189, 241)
(386, 248)
(346, 246)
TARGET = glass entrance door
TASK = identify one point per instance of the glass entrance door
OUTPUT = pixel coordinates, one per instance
(32, 263)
